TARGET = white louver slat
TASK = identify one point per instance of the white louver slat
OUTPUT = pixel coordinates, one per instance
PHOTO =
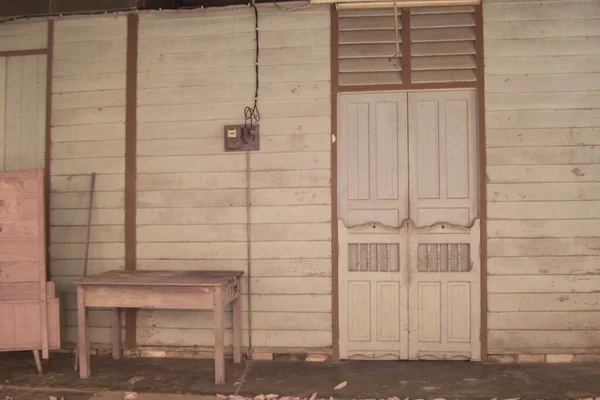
(442, 44)
(367, 47)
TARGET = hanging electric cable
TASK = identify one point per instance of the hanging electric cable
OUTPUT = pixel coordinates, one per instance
(251, 114)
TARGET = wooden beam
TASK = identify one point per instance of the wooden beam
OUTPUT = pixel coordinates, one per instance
(482, 175)
(406, 57)
(33, 52)
(48, 141)
(131, 166)
(411, 86)
(335, 307)
(362, 4)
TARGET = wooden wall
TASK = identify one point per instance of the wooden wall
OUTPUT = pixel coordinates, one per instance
(24, 35)
(196, 74)
(88, 135)
(542, 81)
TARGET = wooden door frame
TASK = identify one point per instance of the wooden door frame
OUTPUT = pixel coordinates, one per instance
(336, 89)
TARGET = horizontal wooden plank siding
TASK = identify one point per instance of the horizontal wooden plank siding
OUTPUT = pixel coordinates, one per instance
(196, 74)
(24, 35)
(22, 111)
(542, 99)
(88, 135)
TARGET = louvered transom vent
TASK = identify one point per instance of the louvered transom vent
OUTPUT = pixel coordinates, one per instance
(443, 257)
(375, 257)
(442, 44)
(367, 47)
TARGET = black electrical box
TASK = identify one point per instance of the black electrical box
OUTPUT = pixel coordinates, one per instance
(242, 137)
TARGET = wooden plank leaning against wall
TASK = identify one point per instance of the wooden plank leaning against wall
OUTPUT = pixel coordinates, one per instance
(408, 86)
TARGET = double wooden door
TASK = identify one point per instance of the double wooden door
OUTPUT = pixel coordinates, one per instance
(409, 258)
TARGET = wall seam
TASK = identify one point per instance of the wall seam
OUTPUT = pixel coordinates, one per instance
(131, 166)
(482, 174)
(48, 140)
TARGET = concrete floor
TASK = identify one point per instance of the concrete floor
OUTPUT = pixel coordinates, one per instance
(366, 379)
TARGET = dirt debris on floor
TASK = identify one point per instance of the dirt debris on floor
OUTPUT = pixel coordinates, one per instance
(294, 380)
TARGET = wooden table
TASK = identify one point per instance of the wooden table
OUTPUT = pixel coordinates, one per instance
(178, 290)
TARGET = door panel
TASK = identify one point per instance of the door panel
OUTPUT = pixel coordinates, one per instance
(374, 153)
(408, 229)
(373, 173)
(22, 112)
(444, 273)
(443, 157)
(444, 258)
(359, 311)
(373, 292)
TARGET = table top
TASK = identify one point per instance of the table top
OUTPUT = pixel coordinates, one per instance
(161, 278)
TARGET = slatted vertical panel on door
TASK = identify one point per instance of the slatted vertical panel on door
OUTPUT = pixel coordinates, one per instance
(442, 44)
(443, 157)
(444, 234)
(29, 310)
(373, 168)
(373, 292)
(24, 111)
(373, 201)
(367, 47)
(444, 292)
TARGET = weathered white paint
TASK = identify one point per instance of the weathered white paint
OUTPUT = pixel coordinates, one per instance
(22, 112)
(196, 74)
(407, 161)
(542, 99)
(542, 103)
(88, 135)
(24, 35)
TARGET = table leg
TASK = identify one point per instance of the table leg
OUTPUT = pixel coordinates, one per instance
(219, 337)
(38, 361)
(116, 333)
(237, 330)
(83, 345)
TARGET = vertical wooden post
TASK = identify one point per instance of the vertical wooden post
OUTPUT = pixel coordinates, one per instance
(482, 174)
(48, 143)
(131, 166)
(83, 344)
(42, 251)
(406, 57)
(219, 337)
(237, 328)
(38, 361)
(335, 317)
(116, 333)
